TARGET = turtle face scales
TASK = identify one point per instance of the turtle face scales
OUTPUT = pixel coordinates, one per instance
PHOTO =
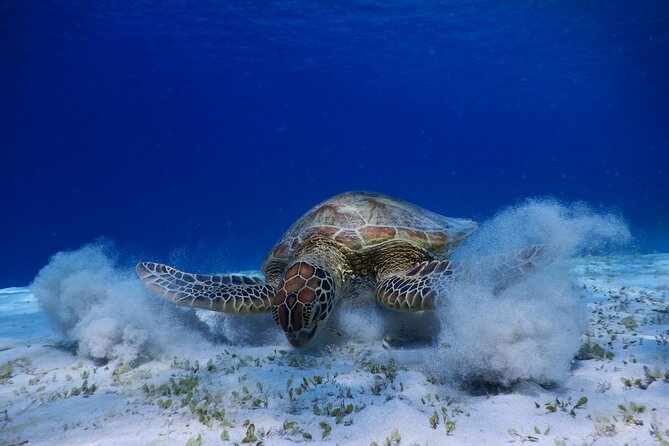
(304, 302)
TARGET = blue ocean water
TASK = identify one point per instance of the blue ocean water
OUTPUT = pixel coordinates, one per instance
(202, 130)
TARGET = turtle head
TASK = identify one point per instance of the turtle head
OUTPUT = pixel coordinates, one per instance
(304, 301)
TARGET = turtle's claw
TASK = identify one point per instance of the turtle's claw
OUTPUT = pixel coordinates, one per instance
(390, 341)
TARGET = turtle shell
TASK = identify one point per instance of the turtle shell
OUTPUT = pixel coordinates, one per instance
(364, 220)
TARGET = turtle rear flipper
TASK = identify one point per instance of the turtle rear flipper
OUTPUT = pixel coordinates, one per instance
(511, 267)
(230, 294)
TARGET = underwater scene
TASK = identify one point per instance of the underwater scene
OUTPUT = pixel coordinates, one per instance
(334, 222)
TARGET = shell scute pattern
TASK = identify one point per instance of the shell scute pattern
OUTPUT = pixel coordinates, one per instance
(363, 220)
(408, 233)
(350, 238)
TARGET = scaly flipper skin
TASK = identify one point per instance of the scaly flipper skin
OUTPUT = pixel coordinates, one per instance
(230, 294)
(413, 290)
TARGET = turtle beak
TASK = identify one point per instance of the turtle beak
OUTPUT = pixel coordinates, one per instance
(300, 338)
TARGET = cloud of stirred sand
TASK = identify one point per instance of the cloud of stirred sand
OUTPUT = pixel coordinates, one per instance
(108, 311)
(531, 330)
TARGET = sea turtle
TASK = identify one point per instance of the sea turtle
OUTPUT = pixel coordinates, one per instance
(354, 238)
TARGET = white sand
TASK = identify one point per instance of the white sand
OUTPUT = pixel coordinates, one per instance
(287, 394)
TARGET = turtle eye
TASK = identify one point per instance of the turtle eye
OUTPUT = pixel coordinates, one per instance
(275, 314)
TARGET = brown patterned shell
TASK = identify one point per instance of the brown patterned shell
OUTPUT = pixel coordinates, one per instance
(363, 220)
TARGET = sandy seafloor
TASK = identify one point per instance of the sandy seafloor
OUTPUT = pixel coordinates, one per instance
(352, 393)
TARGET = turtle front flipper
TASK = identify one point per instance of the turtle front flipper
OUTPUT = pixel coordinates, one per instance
(414, 290)
(230, 294)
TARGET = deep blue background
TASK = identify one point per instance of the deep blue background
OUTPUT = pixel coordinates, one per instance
(211, 126)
